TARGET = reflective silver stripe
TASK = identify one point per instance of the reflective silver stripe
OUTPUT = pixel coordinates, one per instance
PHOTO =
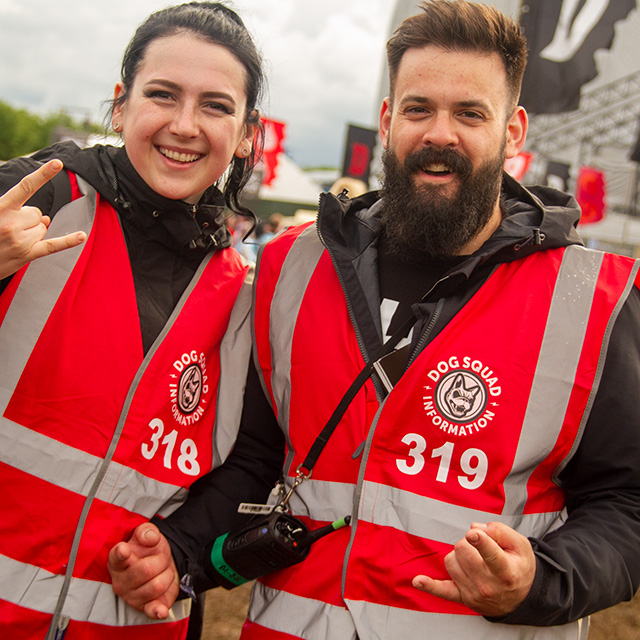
(74, 470)
(379, 622)
(235, 351)
(38, 293)
(315, 620)
(406, 511)
(556, 369)
(435, 520)
(603, 350)
(298, 616)
(298, 268)
(34, 588)
(323, 500)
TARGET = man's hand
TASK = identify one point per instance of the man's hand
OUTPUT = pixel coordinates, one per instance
(22, 228)
(491, 568)
(144, 573)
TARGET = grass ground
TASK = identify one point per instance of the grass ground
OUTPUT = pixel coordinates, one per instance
(225, 612)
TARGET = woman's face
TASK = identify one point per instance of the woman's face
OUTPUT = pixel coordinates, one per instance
(184, 117)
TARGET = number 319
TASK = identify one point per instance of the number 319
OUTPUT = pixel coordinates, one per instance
(473, 462)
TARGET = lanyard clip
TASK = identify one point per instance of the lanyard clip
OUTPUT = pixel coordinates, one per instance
(301, 475)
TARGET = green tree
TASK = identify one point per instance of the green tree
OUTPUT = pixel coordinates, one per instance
(22, 132)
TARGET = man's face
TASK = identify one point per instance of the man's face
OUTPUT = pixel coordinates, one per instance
(446, 137)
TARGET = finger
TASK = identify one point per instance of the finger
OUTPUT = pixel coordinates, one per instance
(53, 245)
(156, 610)
(490, 551)
(446, 589)
(159, 588)
(20, 193)
(120, 557)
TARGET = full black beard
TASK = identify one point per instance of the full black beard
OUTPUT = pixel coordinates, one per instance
(421, 223)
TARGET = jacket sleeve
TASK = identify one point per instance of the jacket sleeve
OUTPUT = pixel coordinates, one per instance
(248, 475)
(592, 562)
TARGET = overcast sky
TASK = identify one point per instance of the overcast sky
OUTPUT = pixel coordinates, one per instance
(324, 61)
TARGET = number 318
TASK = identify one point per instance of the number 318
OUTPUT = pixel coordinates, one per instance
(473, 462)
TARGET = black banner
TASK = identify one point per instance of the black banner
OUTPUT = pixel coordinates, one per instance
(558, 175)
(358, 152)
(563, 36)
(635, 152)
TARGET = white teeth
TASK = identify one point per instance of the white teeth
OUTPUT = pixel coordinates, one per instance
(179, 157)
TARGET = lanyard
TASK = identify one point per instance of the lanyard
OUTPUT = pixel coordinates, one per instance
(304, 469)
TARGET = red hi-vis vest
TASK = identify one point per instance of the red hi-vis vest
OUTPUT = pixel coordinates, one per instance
(475, 431)
(95, 437)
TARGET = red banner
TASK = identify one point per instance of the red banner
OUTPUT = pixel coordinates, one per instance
(517, 167)
(590, 194)
(273, 146)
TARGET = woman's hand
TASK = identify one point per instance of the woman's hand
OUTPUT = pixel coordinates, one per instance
(143, 572)
(22, 229)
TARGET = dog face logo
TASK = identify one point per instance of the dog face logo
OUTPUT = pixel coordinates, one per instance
(461, 396)
(460, 399)
(190, 389)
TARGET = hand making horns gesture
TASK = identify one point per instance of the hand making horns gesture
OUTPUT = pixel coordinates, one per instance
(22, 229)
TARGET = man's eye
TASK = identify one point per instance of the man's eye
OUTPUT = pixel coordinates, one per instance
(158, 94)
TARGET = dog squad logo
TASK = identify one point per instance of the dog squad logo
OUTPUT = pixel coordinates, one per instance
(189, 385)
(461, 400)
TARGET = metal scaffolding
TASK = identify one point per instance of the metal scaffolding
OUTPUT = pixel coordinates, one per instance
(602, 134)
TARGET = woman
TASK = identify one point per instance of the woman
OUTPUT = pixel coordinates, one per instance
(125, 351)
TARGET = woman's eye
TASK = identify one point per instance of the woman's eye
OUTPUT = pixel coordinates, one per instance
(218, 106)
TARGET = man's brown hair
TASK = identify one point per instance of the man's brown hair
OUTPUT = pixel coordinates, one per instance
(459, 25)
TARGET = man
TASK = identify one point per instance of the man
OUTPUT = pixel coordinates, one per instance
(490, 462)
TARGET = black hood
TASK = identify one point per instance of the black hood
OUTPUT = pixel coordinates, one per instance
(536, 218)
(109, 170)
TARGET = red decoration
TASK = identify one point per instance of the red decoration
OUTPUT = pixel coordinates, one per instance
(590, 194)
(517, 167)
(273, 139)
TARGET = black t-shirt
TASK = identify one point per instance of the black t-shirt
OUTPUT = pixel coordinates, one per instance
(403, 284)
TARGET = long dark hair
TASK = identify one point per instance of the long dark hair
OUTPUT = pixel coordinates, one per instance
(218, 24)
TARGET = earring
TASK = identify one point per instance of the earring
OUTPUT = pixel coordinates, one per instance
(245, 152)
(116, 126)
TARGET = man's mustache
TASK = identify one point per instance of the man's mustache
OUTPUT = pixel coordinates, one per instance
(453, 160)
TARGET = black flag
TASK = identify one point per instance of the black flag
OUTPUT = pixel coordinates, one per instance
(635, 152)
(563, 36)
(558, 175)
(358, 152)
